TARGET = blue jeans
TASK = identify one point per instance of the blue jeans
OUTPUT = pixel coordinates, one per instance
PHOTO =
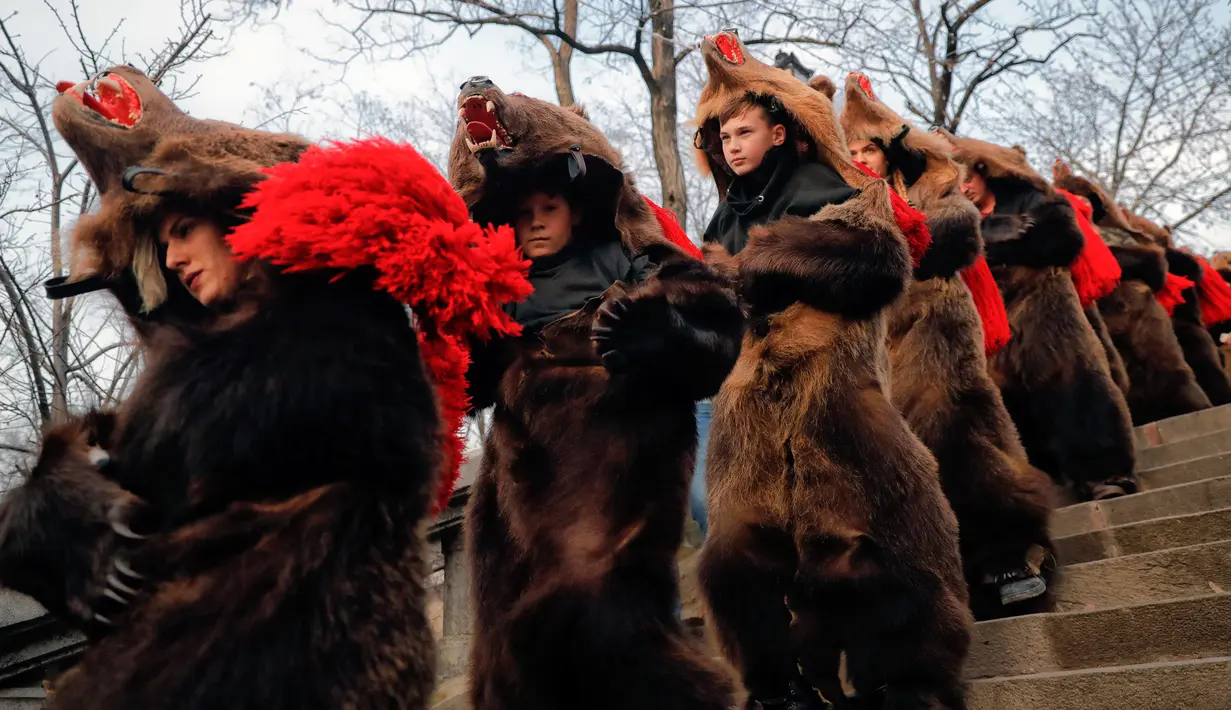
(696, 492)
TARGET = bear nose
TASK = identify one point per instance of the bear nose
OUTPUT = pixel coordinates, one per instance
(477, 84)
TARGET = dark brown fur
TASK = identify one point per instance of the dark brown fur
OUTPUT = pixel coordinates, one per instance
(1163, 384)
(1200, 351)
(577, 514)
(276, 575)
(1054, 374)
(1119, 374)
(809, 467)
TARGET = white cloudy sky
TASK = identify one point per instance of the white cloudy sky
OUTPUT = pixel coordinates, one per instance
(276, 53)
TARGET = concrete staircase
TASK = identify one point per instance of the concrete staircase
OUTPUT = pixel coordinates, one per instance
(1144, 595)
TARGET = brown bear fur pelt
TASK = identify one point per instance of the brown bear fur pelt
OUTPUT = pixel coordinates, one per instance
(1054, 374)
(818, 490)
(1115, 361)
(577, 513)
(1200, 350)
(280, 465)
(1163, 384)
(940, 381)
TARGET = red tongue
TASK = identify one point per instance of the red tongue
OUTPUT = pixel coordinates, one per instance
(63, 86)
(479, 132)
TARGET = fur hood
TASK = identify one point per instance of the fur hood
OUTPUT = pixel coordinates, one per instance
(1151, 230)
(996, 163)
(865, 118)
(734, 72)
(145, 155)
(1106, 213)
(503, 140)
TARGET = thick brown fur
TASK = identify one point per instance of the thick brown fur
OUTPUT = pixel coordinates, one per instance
(1054, 374)
(1115, 362)
(575, 520)
(1163, 384)
(275, 576)
(818, 491)
(1200, 350)
(576, 516)
(940, 378)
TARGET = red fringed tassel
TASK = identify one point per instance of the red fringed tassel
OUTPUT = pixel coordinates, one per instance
(912, 222)
(672, 230)
(989, 303)
(1095, 271)
(1172, 292)
(1214, 295)
(376, 203)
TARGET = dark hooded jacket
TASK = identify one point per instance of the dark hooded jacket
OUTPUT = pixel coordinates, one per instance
(781, 185)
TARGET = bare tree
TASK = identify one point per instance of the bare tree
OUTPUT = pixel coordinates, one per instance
(655, 36)
(59, 354)
(1146, 111)
(941, 57)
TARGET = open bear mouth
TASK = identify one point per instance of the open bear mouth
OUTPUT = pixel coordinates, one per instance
(727, 45)
(865, 84)
(483, 127)
(109, 96)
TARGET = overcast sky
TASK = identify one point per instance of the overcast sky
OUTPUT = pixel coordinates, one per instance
(277, 52)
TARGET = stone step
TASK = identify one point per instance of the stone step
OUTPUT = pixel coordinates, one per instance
(1149, 536)
(1196, 497)
(22, 698)
(1185, 629)
(1195, 469)
(1149, 577)
(1183, 427)
(1213, 444)
(1203, 684)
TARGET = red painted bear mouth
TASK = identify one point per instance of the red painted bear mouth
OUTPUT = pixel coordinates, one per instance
(482, 121)
(728, 47)
(109, 96)
(865, 85)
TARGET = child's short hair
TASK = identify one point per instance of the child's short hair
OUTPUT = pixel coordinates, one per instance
(775, 114)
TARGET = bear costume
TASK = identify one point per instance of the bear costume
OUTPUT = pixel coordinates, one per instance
(577, 513)
(1072, 417)
(247, 530)
(1161, 383)
(818, 491)
(940, 378)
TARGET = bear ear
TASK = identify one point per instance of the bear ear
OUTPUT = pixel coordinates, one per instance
(1020, 150)
(824, 85)
(579, 110)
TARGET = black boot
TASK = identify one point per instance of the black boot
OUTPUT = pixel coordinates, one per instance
(799, 696)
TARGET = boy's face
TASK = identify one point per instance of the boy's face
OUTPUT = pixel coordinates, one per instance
(870, 155)
(545, 224)
(747, 137)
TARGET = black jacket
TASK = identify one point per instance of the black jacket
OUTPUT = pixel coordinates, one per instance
(782, 185)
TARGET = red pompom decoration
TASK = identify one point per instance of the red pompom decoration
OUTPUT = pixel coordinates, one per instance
(912, 222)
(1172, 292)
(672, 229)
(376, 203)
(989, 303)
(1095, 271)
(1214, 295)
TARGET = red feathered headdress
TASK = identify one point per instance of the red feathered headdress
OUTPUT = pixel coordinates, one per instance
(1214, 295)
(912, 222)
(990, 304)
(1095, 270)
(672, 230)
(1172, 292)
(376, 203)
